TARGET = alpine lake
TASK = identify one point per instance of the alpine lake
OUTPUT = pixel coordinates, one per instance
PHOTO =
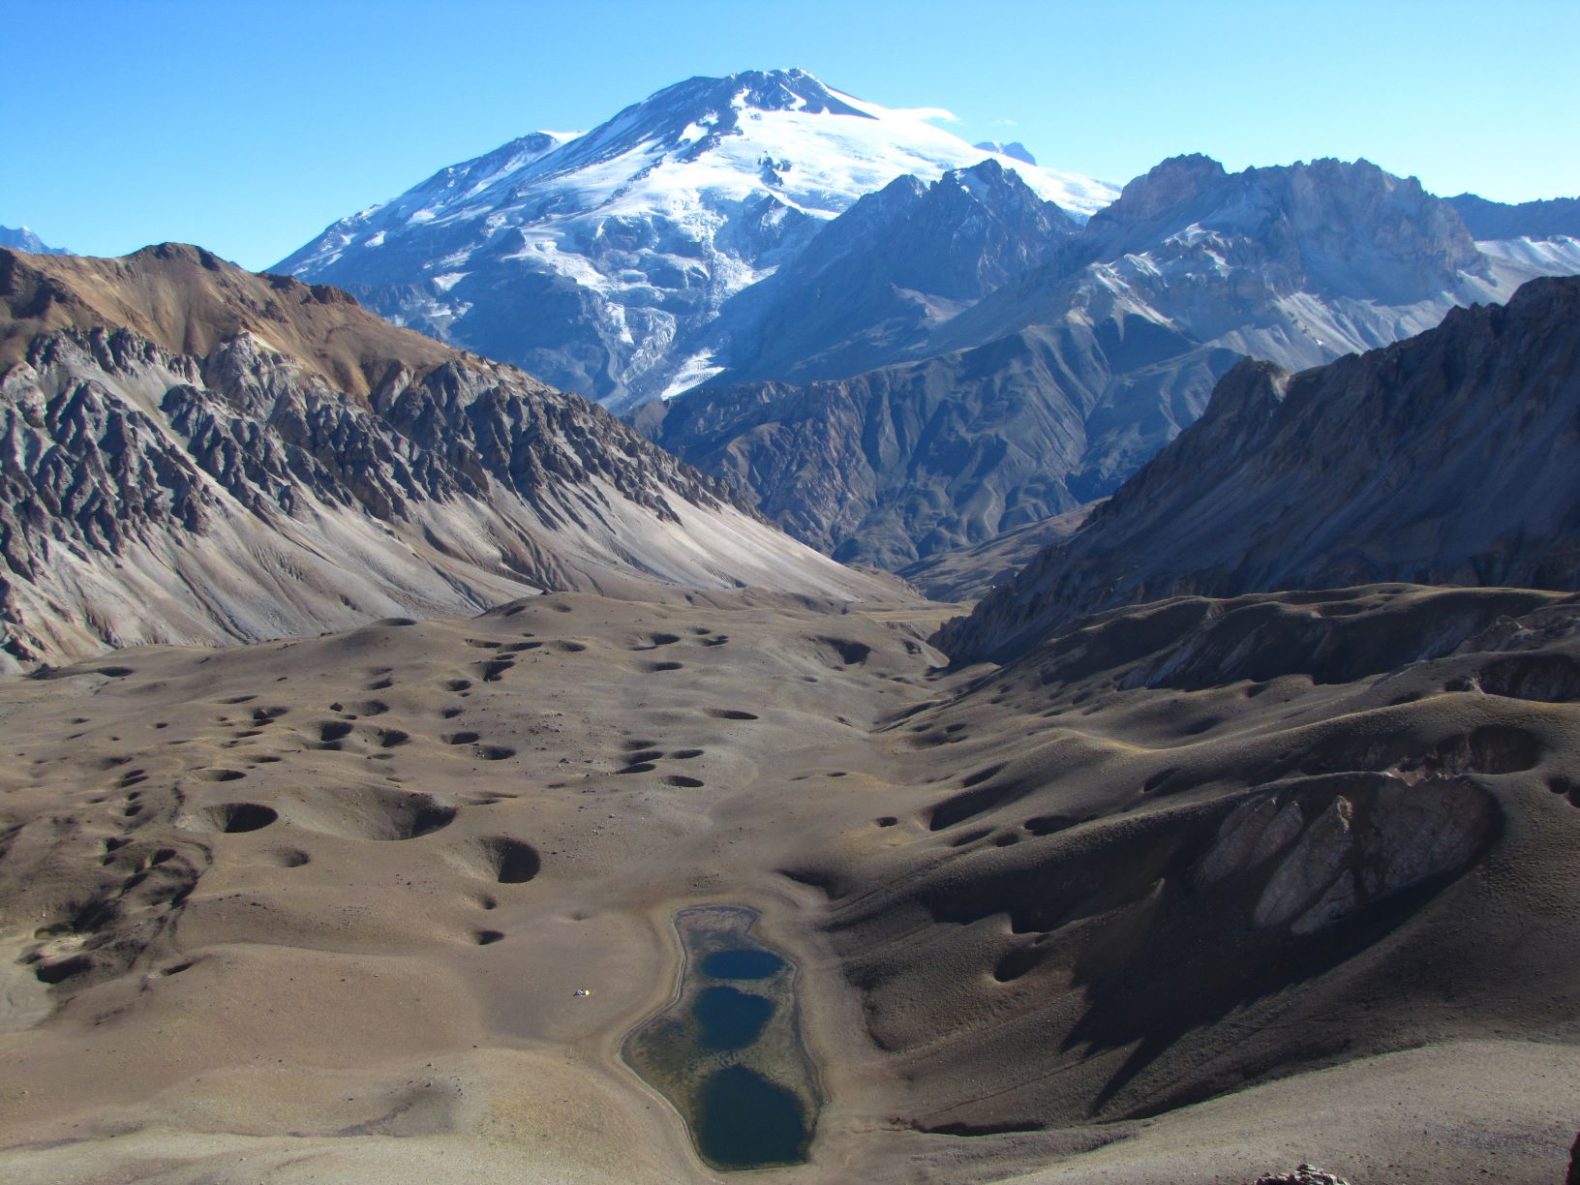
(727, 1052)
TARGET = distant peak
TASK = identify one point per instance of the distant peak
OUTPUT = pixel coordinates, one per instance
(758, 90)
(181, 253)
(1170, 183)
(22, 238)
(1014, 149)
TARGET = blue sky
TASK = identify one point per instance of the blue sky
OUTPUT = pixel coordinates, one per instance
(247, 126)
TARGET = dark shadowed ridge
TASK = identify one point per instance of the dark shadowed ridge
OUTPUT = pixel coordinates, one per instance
(1445, 459)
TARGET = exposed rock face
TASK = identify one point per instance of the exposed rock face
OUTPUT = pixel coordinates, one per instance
(1306, 1174)
(1334, 850)
(1329, 228)
(1054, 387)
(192, 453)
(1444, 459)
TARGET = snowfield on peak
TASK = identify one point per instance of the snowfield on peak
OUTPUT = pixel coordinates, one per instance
(595, 260)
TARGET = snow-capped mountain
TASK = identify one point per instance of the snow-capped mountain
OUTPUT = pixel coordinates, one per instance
(595, 260)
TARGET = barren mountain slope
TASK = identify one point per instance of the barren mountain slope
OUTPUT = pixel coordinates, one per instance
(972, 572)
(1447, 458)
(1187, 847)
(901, 462)
(193, 453)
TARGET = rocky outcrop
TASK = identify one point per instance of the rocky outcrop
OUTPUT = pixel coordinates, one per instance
(191, 453)
(1328, 852)
(1305, 1174)
(1444, 459)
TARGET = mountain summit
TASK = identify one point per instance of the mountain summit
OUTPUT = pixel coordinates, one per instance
(596, 260)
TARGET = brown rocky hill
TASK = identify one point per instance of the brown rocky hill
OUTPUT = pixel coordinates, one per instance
(193, 453)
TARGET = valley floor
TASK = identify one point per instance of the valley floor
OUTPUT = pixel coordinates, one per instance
(320, 910)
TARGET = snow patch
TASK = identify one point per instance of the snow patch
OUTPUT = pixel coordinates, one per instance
(696, 369)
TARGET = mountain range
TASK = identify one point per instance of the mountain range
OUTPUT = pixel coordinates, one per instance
(1053, 387)
(193, 453)
(892, 342)
(1444, 459)
(1548, 219)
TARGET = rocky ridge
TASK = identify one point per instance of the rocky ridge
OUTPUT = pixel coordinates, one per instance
(1443, 459)
(192, 453)
(1052, 388)
(1550, 219)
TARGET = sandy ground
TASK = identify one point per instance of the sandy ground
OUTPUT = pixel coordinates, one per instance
(318, 910)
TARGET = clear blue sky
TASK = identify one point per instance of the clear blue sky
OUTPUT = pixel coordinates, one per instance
(247, 126)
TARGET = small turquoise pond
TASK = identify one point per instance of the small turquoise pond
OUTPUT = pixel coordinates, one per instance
(727, 1051)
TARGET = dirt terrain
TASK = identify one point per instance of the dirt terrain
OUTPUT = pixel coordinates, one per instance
(1197, 891)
